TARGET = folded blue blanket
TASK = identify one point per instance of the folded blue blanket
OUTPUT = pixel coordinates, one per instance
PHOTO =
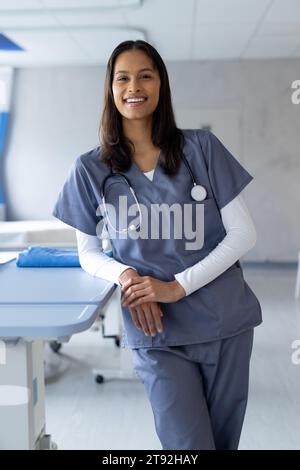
(43, 257)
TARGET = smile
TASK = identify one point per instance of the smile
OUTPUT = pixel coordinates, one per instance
(133, 102)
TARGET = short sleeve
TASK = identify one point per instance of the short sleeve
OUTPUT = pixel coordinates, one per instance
(227, 176)
(76, 204)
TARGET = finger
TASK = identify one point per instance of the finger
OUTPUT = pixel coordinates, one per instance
(132, 289)
(149, 318)
(156, 313)
(135, 318)
(159, 308)
(131, 281)
(125, 294)
(142, 300)
(136, 295)
(143, 321)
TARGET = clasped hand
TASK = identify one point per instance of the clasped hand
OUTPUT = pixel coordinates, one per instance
(140, 289)
(142, 295)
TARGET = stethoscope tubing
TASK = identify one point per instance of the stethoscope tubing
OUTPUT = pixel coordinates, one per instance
(127, 181)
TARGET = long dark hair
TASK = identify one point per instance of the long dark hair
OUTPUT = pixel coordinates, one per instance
(116, 149)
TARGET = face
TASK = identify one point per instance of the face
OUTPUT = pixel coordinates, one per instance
(135, 77)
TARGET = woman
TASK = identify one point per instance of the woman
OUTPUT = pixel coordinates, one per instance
(188, 313)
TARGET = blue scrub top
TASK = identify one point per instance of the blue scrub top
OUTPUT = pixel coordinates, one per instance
(222, 308)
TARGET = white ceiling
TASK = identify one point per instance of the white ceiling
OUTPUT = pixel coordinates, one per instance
(69, 32)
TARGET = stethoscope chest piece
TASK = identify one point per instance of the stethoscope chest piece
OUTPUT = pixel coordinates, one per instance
(198, 193)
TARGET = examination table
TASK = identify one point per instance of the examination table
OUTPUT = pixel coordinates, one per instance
(38, 304)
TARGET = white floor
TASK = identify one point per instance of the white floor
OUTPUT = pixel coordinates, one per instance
(81, 414)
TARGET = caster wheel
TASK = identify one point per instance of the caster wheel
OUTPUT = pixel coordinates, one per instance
(55, 346)
(99, 379)
(117, 342)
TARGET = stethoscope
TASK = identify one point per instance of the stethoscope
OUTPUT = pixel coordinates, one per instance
(198, 194)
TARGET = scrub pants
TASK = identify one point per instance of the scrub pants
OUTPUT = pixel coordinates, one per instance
(198, 392)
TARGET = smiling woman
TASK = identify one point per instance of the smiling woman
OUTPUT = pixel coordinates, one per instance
(188, 312)
(135, 71)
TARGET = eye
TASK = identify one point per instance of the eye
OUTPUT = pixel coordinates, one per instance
(143, 76)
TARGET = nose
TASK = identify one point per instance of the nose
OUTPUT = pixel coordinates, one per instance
(134, 86)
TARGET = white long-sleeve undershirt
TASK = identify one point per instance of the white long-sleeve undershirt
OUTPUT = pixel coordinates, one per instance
(240, 237)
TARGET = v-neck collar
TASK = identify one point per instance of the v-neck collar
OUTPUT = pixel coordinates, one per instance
(142, 185)
(157, 189)
(155, 172)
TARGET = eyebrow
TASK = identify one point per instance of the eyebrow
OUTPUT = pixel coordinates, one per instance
(142, 70)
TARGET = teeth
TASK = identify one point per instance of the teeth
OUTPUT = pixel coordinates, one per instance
(135, 100)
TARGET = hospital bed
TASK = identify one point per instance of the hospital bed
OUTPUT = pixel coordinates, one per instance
(37, 305)
(18, 235)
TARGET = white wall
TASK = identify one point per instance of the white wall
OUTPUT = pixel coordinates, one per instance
(56, 113)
